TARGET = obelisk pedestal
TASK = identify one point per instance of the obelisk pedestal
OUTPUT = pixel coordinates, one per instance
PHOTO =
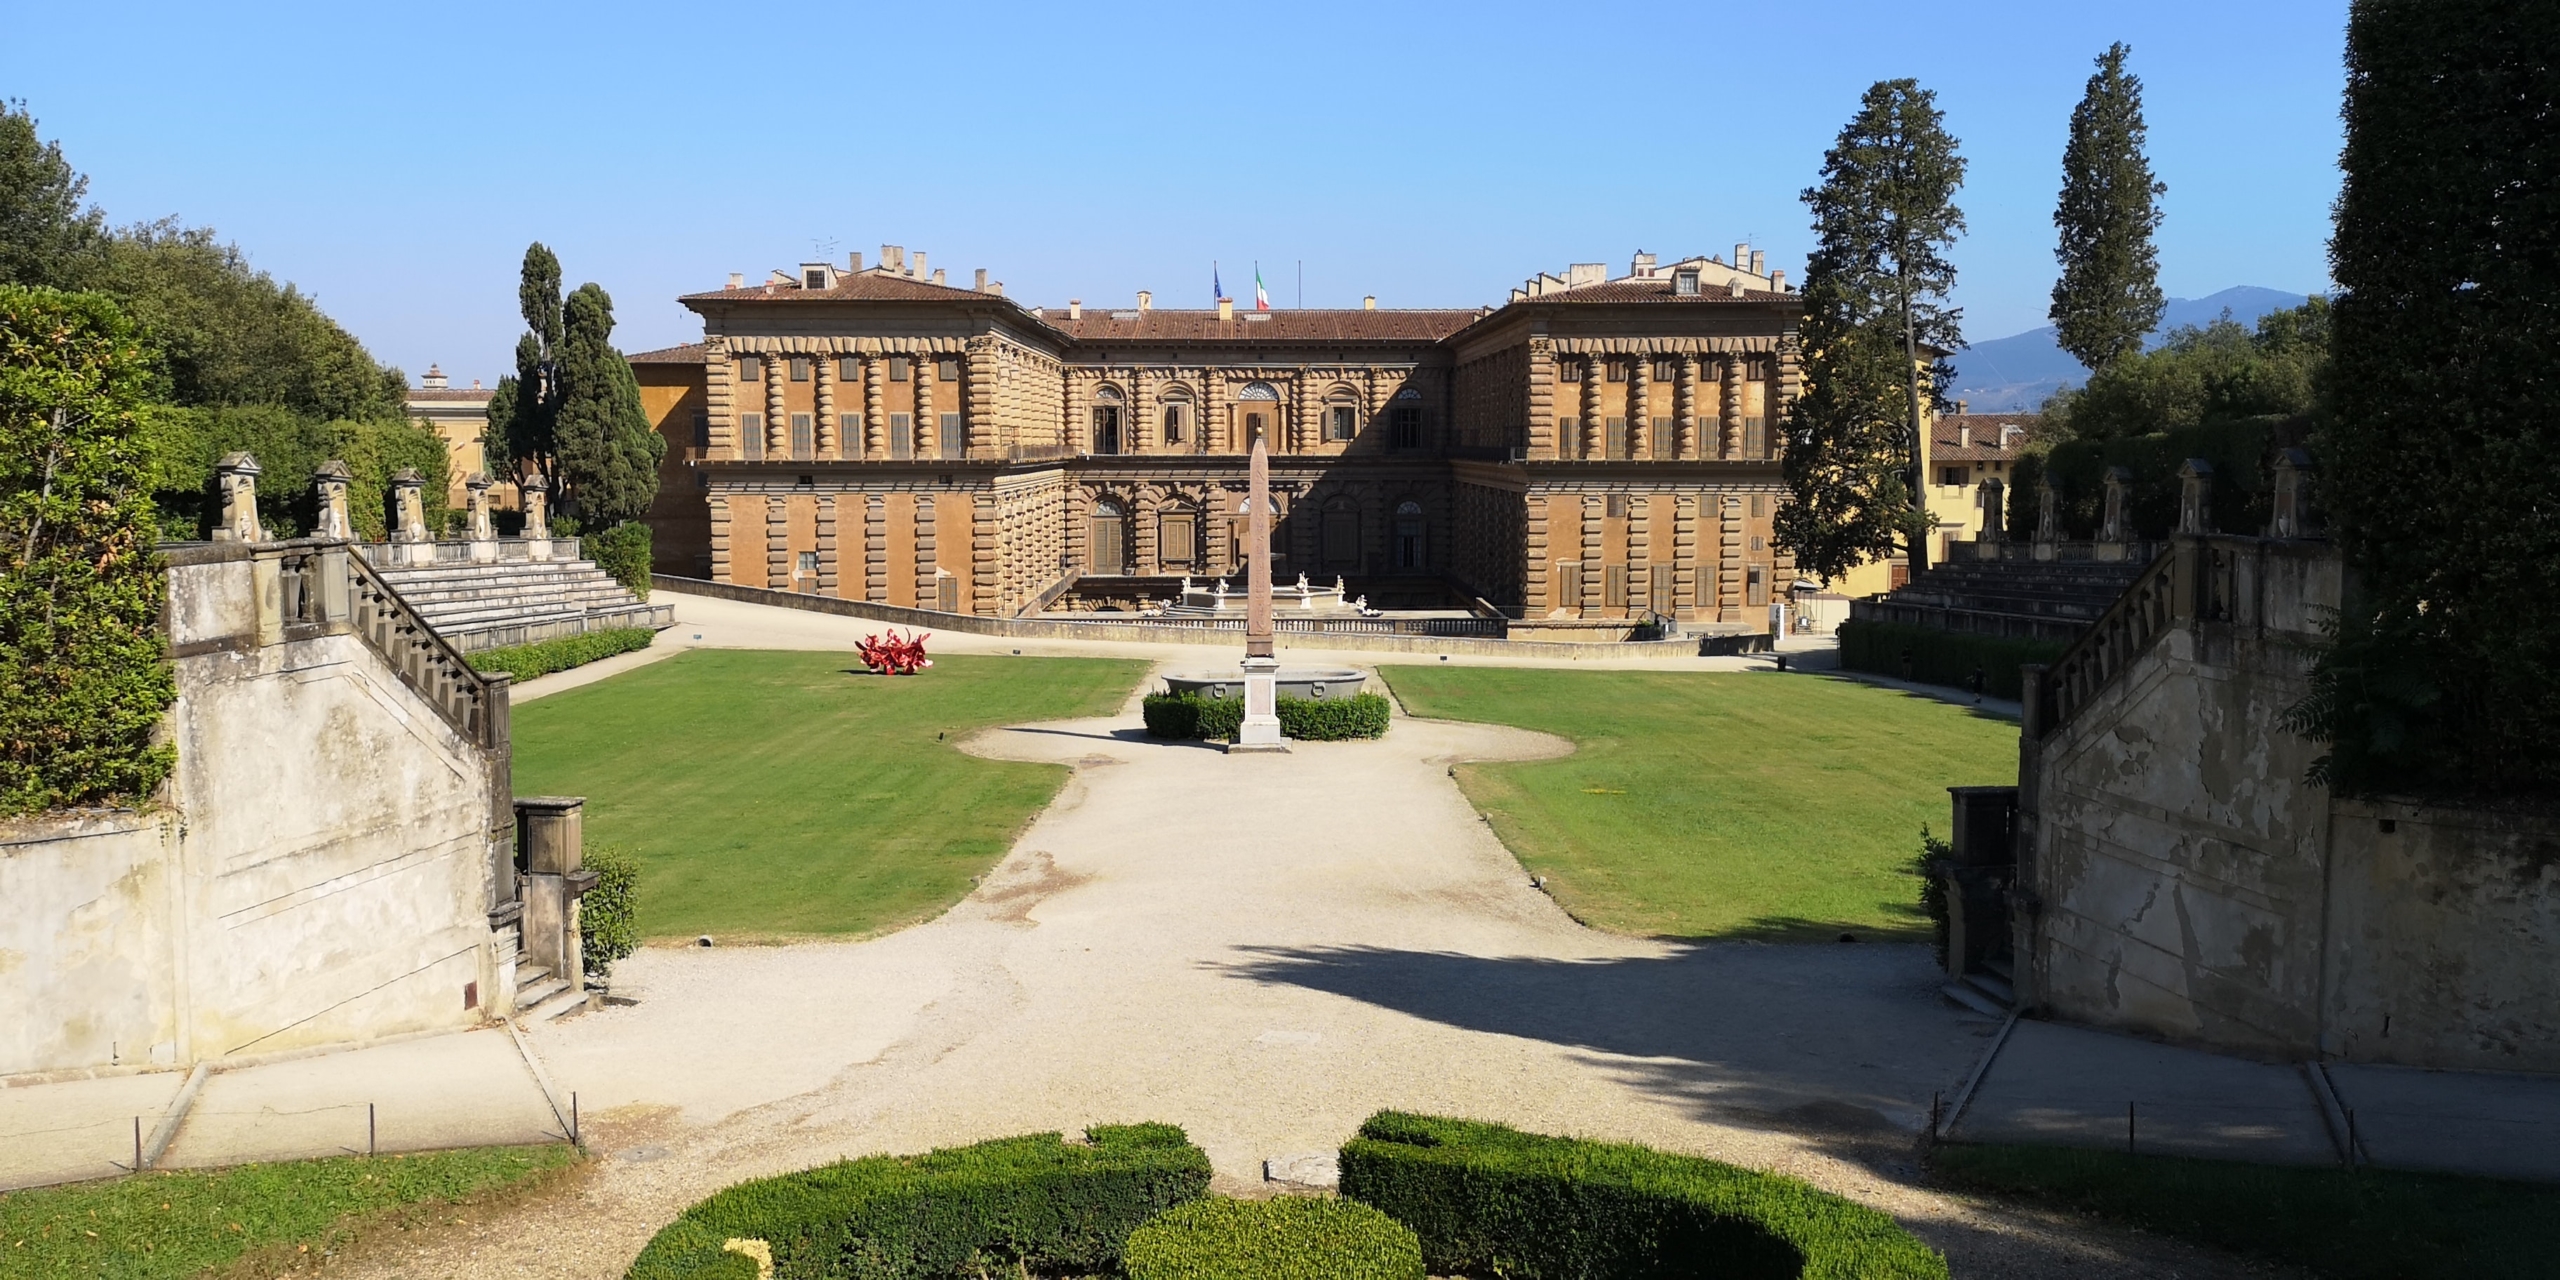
(1260, 731)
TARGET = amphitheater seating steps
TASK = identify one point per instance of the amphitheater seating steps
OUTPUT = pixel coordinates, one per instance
(477, 606)
(2041, 599)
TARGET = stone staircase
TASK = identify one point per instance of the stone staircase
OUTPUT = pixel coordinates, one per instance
(495, 604)
(542, 995)
(1986, 991)
(2023, 599)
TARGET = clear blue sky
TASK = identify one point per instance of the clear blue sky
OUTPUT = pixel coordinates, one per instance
(394, 161)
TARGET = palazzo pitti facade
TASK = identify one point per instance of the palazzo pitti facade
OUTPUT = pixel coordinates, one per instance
(1593, 448)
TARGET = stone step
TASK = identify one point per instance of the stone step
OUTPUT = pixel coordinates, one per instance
(531, 995)
(1993, 986)
(559, 1004)
(1965, 995)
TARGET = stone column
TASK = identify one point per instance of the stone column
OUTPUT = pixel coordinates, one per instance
(1684, 558)
(409, 514)
(777, 410)
(1534, 550)
(1729, 434)
(329, 488)
(720, 537)
(778, 569)
(1640, 553)
(1639, 405)
(1595, 555)
(536, 492)
(822, 441)
(978, 399)
(1260, 730)
(551, 831)
(984, 570)
(475, 504)
(928, 568)
(1684, 409)
(1541, 427)
(1586, 442)
(875, 548)
(927, 424)
(236, 478)
(875, 404)
(1729, 602)
(720, 397)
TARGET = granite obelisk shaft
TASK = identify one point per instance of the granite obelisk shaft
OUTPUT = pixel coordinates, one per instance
(1257, 525)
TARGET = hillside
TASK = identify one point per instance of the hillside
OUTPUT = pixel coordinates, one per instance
(2016, 373)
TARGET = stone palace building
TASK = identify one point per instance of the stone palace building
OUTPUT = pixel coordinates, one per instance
(1594, 448)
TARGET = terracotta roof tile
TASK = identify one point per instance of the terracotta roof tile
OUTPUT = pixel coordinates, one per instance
(1987, 433)
(464, 395)
(689, 353)
(1294, 325)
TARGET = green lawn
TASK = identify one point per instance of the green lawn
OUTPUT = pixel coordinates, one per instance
(776, 794)
(1720, 805)
(181, 1224)
(2371, 1224)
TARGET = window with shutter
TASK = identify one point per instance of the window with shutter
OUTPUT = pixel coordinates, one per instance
(1614, 590)
(955, 438)
(1343, 420)
(802, 446)
(946, 593)
(1178, 538)
(750, 369)
(897, 368)
(849, 434)
(1407, 425)
(1568, 437)
(1616, 442)
(751, 436)
(849, 368)
(902, 436)
(801, 368)
(1568, 584)
(1568, 371)
(947, 369)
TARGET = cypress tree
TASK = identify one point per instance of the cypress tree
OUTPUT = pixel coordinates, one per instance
(2108, 298)
(608, 456)
(521, 438)
(2446, 360)
(1876, 290)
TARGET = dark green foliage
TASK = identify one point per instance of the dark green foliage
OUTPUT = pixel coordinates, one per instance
(1032, 1203)
(1942, 657)
(542, 657)
(2108, 298)
(623, 553)
(1190, 716)
(2437, 461)
(2199, 377)
(185, 443)
(519, 440)
(46, 237)
(1491, 1200)
(1875, 298)
(2024, 505)
(608, 453)
(2241, 452)
(2368, 1224)
(608, 916)
(1929, 865)
(84, 671)
(1290, 1238)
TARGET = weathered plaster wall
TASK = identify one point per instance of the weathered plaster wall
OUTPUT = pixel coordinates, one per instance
(86, 943)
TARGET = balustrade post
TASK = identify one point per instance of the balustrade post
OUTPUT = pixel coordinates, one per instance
(236, 477)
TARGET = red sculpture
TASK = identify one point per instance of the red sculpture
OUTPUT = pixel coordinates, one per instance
(892, 656)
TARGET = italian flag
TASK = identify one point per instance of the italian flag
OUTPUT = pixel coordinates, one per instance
(1261, 300)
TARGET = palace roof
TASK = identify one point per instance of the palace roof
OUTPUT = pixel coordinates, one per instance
(1657, 291)
(1293, 325)
(689, 353)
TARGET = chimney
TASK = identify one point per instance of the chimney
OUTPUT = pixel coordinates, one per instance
(1369, 303)
(1641, 265)
(918, 269)
(1146, 300)
(1778, 280)
(892, 258)
(996, 287)
(1759, 263)
(937, 272)
(475, 384)
(737, 279)
(1964, 434)
(1075, 308)
(981, 286)
(1963, 407)
(1226, 308)
(1742, 255)
(853, 262)
(434, 381)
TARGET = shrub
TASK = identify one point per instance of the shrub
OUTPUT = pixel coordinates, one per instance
(541, 658)
(1034, 1203)
(608, 916)
(1188, 715)
(84, 669)
(1942, 657)
(1291, 1238)
(1491, 1200)
(623, 553)
(1930, 865)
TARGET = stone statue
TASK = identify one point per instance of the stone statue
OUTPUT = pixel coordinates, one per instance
(2048, 512)
(475, 489)
(409, 512)
(329, 487)
(237, 475)
(2195, 497)
(537, 507)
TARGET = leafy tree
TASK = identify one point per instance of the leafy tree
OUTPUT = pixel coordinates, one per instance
(2446, 673)
(521, 438)
(608, 456)
(46, 237)
(1876, 292)
(2109, 295)
(84, 672)
(2202, 376)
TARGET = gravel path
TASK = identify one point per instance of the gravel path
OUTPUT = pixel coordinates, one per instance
(1263, 950)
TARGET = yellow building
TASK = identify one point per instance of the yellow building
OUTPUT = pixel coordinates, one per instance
(458, 415)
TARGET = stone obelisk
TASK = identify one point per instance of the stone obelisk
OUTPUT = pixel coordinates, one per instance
(1260, 730)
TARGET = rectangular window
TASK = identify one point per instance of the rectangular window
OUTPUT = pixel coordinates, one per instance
(1342, 420)
(1617, 505)
(897, 368)
(751, 436)
(1951, 475)
(1614, 592)
(1568, 584)
(1666, 370)
(902, 436)
(947, 369)
(849, 435)
(1616, 443)
(849, 368)
(701, 431)
(1755, 438)
(1661, 437)
(955, 438)
(1617, 371)
(1665, 576)
(1177, 538)
(808, 564)
(946, 593)
(802, 443)
(1408, 426)
(750, 369)
(802, 368)
(1685, 283)
(1568, 437)
(1568, 371)
(1755, 584)
(1173, 424)
(1759, 505)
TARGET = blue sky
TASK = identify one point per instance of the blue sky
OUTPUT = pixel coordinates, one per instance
(394, 160)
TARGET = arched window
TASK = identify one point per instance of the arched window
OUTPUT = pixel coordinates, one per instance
(1108, 542)
(1408, 535)
(1404, 419)
(1341, 416)
(1263, 391)
(1107, 417)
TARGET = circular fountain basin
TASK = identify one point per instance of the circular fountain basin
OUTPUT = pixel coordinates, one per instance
(1295, 682)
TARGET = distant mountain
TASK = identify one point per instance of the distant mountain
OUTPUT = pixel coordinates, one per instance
(2016, 373)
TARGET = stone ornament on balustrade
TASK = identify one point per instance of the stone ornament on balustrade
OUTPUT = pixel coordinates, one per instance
(1993, 498)
(412, 542)
(484, 535)
(2195, 496)
(329, 492)
(537, 516)
(236, 477)
(2292, 517)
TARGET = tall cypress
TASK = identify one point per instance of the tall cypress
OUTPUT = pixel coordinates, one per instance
(1876, 325)
(520, 439)
(608, 469)
(2446, 351)
(2108, 298)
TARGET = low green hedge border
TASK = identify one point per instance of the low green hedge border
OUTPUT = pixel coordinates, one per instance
(1942, 657)
(1291, 1238)
(1490, 1200)
(542, 657)
(1035, 1203)
(1188, 715)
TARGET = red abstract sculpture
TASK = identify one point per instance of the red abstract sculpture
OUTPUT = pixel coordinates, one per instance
(892, 656)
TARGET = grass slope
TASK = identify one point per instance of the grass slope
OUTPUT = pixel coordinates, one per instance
(1714, 805)
(179, 1224)
(2370, 1224)
(770, 794)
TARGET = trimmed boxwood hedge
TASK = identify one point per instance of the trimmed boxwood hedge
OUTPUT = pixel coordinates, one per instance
(1291, 1238)
(542, 657)
(1037, 1202)
(1942, 657)
(1491, 1200)
(1188, 715)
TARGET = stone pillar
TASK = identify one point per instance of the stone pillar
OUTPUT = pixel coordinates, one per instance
(985, 573)
(822, 440)
(875, 548)
(779, 572)
(1534, 550)
(409, 519)
(875, 405)
(2195, 497)
(777, 410)
(537, 515)
(827, 565)
(978, 399)
(1260, 729)
(1540, 431)
(236, 479)
(1586, 443)
(2115, 522)
(1729, 433)
(2048, 519)
(550, 830)
(2293, 517)
(720, 397)
(1595, 555)
(1684, 409)
(1729, 602)
(1639, 405)
(1684, 557)
(1640, 553)
(926, 424)
(329, 488)
(928, 570)
(720, 537)
(475, 504)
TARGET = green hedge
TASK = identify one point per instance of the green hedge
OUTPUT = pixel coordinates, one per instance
(1942, 657)
(541, 658)
(1491, 1200)
(1189, 715)
(1291, 1238)
(623, 553)
(608, 913)
(1035, 1203)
